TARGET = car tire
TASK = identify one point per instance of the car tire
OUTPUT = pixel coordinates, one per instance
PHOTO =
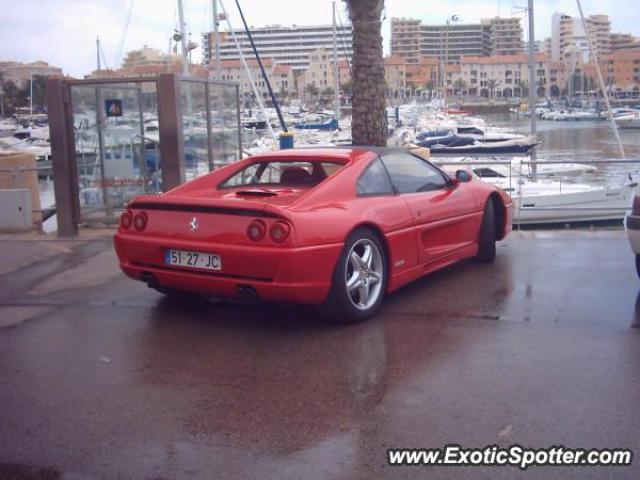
(356, 294)
(638, 264)
(487, 236)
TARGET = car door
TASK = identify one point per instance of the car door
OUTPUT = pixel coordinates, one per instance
(443, 213)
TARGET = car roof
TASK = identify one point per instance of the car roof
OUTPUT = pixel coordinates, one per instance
(342, 153)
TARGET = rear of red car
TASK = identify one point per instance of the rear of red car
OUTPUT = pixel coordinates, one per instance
(220, 248)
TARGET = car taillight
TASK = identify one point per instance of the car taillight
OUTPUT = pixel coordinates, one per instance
(636, 205)
(125, 220)
(256, 230)
(279, 232)
(140, 221)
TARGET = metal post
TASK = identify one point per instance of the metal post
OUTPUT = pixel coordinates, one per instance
(143, 162)
(336, 79)
(183, 39)
(63, 157)
(532, 87)
(170, 123)
(101, 147)
(207, 99)
(239, 122)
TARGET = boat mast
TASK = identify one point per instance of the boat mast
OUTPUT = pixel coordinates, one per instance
(336, 79)
(31, 98)
(246, 69)
(532, 87)
(276, 105)
(98, 51)
(601, 81)
(216, 37)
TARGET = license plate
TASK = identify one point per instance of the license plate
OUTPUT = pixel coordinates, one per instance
(186, 258)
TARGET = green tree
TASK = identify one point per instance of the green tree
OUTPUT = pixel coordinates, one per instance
(14, 97)
(369, 123)
(311, 90)
(459, 86)
(328, 92)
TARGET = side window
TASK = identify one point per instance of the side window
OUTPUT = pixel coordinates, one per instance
(374, 180)
(409, 174)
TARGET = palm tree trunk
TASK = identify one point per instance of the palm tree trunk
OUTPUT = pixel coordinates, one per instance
(369, 122)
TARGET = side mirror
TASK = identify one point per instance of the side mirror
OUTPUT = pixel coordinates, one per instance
(462, 176)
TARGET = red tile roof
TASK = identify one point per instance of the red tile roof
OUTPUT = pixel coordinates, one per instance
(521, 58)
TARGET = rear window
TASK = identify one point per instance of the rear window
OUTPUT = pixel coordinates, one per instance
(290, 174)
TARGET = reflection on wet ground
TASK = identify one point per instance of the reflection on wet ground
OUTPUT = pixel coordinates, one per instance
(112, 380)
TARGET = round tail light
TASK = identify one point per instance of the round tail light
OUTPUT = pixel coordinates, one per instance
(125, 220)
(256, 230)
(279, 232)
(140, 221)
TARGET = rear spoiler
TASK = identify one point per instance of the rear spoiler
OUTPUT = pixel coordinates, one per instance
(174, 207)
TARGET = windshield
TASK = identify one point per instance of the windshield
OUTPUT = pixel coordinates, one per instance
(286, 173)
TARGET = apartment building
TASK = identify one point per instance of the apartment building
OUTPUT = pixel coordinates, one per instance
(401, 74)
(19, 73)
(280, 76)
(410, 39)
(500, 75)
(622, 70)
(624, 41)
(505, 35)
(284, 45)
(569, 32)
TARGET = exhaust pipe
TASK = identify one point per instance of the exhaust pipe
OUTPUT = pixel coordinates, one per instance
(247, 292)
(149, 279)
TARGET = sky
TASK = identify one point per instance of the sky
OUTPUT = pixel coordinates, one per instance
(63, 32)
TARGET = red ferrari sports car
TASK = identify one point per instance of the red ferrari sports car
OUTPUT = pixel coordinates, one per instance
(333, 226)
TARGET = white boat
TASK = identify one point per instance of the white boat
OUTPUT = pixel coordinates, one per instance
(571, 115)
(546, 202)
(631, 120)
(553, 201)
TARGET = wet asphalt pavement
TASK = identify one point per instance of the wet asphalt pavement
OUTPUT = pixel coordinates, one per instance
(101, 377)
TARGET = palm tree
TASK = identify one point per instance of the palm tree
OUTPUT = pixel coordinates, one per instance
(431, 86)
(459, 86)
(369, 123)
(492, 83)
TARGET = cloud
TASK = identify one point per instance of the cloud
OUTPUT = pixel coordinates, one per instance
(63, 32)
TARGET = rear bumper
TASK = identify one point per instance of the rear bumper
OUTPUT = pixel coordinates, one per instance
(632, 223)
(299, 275)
